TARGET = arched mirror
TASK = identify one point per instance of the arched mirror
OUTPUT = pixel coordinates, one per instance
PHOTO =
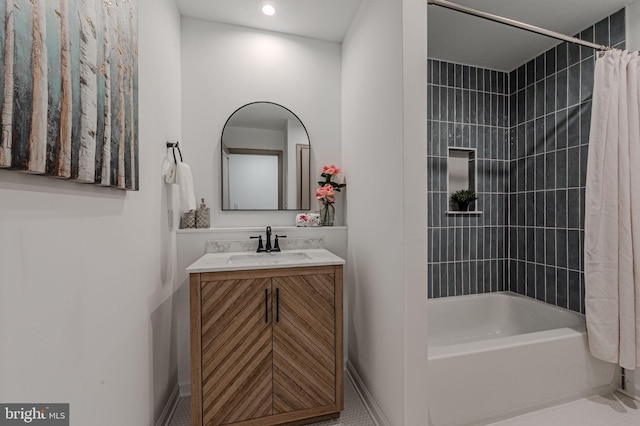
(265, 159)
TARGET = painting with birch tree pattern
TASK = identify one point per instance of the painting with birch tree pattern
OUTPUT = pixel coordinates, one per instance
(69, 89)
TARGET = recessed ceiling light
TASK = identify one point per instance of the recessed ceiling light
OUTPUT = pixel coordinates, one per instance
(268, 10)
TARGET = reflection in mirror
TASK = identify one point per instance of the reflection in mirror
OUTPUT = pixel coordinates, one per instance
(265, 159)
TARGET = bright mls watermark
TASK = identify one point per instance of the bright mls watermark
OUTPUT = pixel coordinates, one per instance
(34, 414)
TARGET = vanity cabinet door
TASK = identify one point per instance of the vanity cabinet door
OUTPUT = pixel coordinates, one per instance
(237, 357)
(304, 342)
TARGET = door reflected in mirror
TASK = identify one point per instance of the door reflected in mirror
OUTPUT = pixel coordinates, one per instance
(265, 159)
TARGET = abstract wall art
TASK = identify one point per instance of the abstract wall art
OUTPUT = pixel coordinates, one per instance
(69, 90)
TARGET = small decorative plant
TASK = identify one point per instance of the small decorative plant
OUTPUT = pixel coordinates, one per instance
(326, 193)
(463, 198)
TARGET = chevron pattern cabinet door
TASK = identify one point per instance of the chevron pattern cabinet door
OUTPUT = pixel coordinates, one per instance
(304, 342)
(237, 352)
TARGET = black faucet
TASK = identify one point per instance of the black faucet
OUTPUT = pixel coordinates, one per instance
(260, 246)
(267, 248)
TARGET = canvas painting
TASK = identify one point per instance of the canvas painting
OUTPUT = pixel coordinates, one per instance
(69, 90)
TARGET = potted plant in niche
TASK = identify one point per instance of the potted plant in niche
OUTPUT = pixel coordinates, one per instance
(463, 198)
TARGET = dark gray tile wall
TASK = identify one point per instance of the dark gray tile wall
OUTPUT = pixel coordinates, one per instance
(531, 132)
(468, 107)
(549, 117)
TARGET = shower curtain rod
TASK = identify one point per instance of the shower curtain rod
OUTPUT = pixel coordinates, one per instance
(516, 24)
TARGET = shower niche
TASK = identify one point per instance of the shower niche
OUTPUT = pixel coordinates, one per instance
(461, 181)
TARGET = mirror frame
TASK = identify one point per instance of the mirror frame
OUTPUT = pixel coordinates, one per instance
(299, 190)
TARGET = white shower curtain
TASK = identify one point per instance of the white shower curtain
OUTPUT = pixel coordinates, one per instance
(612, 217)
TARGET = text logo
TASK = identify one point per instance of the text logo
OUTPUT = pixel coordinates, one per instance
(34, 414)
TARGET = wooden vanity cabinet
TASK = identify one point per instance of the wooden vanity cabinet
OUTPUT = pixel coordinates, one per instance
(266, 346)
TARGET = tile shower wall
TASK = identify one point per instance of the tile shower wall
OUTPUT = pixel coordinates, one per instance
(550, 115)
(468, 108)
(531, 132)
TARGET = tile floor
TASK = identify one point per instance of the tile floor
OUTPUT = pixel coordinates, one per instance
(610, 410)
(354, 414)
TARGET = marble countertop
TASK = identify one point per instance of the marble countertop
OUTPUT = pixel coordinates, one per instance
(242, 261)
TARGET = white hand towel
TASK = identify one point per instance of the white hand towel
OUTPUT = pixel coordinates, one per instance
(184, 179)
(169, 170)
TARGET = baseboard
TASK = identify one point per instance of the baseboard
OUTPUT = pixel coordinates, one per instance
(370, 404)
(169, 407)
(185, 389)
(629, 394)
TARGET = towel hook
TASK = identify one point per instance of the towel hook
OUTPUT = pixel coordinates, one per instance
(173, 146)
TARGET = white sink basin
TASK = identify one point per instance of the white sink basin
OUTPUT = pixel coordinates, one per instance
(236, 261)
(266, 258)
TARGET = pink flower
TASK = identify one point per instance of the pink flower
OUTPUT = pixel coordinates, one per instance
(331, 170)
(326, 192)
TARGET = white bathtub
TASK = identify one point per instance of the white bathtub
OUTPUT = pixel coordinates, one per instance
(500, 354)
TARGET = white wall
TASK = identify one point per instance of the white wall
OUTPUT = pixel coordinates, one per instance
(87, 273)
(633, 43)
(249, 138)
(633, 26)
(225, 67)
(384, 150)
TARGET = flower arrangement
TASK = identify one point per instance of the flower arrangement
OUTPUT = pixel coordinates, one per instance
(327, 192)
